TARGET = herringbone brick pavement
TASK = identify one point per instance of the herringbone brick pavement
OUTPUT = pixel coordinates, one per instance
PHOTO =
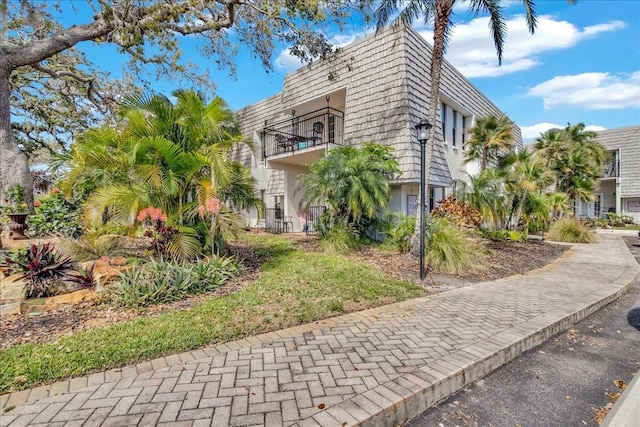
(372, 367)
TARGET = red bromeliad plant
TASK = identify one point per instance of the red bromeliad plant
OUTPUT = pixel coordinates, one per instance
(42, 268)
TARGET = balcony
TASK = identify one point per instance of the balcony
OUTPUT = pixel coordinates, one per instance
(297, 139)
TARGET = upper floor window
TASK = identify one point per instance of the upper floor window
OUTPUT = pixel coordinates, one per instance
(453, 127)
(464, 131)
(443, 119)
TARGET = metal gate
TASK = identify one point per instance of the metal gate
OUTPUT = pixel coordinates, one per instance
(273, 221)
(312, 218)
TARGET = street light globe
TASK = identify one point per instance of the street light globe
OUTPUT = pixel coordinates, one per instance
(423, 128)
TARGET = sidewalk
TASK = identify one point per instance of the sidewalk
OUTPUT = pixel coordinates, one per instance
(375, 367)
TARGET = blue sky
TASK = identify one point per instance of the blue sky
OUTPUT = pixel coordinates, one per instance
(582, 65)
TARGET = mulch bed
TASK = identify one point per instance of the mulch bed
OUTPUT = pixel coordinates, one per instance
(504, 260)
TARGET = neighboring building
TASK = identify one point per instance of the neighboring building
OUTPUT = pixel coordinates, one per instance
(375, 89)
(619, 189)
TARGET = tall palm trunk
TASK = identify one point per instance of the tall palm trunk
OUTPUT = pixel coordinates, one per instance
(521, 203)
(14, 165)
(441, 21)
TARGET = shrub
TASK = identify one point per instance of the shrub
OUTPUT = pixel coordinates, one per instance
(90, 247)
(619, 220)
(570, 230)
(55, 216)
(400, 231)
(504, 235)
(461, 214)
(517, 236)
(42, 268)
(83, 278)
(450, 250)
(159, 282)
(339, 239)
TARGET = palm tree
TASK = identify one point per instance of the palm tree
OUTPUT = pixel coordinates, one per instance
(486, 193)
(240, 192)
(528, 174)
(438, 14)
(170, 156)
(490, 138)
(353, 181)
(552, 145)
(575, 157)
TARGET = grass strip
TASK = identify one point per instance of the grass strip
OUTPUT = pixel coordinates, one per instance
(295, 287)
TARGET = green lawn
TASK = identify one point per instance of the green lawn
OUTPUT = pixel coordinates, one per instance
(295, 287)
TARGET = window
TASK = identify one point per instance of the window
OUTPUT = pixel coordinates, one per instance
(464, 130)
(453, 128)
(443, 118)
(432, 199)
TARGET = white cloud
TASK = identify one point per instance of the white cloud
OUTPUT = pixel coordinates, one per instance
(534, 131)
(471, 49)
(590, 91)
(285, 61)
(529, 133)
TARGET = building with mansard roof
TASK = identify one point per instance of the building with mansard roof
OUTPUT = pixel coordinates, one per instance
(373, 90)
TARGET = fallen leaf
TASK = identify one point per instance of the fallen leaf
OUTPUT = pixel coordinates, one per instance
(613, 396)
(344, 424)
(466, 419)
(620, 384)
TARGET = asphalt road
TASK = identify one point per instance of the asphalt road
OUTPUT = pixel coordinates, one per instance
(561, 383)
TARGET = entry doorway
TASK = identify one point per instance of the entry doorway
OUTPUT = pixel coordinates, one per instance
(592, 208)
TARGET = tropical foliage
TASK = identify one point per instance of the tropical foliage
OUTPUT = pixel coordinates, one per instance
(55, 215)
(41, 66)
(42, 268)
(576, 159)
(397, 228)
(160, 281)
(490, 138)
(172, 157)
(353, 182)
(531, 188)
(439, 14)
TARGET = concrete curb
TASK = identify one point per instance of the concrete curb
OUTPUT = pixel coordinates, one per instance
(626, 411)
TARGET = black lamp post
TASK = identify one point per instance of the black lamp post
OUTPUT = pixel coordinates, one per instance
(423, 128)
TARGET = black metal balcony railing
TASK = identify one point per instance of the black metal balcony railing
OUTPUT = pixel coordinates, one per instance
(319, 127)
(611, 170)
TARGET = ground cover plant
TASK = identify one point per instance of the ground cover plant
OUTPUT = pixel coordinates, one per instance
(294, 287)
